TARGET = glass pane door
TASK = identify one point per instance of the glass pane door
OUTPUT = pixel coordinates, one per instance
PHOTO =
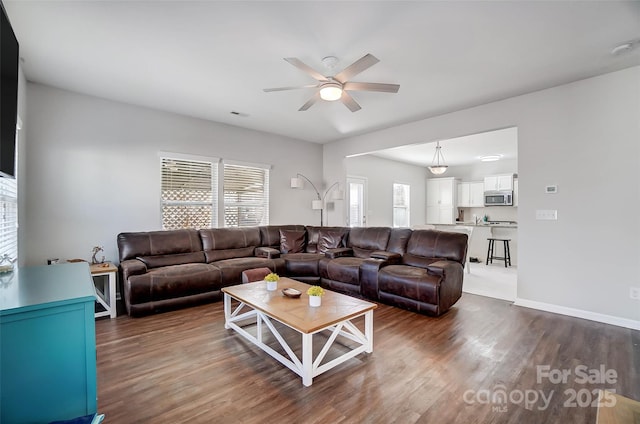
(357, 202)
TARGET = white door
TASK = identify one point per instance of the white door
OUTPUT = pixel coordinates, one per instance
(357, 202)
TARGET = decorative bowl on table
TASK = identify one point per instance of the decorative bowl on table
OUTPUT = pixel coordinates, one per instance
(293, 293)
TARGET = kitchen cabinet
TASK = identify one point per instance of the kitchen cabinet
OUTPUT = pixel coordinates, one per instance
(515, 193)
(471, 194)
(441, 200)
(48, 349)
(501, 182)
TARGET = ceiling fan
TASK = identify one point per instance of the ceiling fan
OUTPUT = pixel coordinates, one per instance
(337, 87)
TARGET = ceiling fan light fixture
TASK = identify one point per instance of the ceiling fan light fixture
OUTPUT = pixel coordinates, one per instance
(436, 167)
(331, 91)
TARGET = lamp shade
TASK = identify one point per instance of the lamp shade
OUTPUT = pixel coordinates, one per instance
(338, 194)
(331, 91)
(316, 204)
(297, 182)
(438, 169)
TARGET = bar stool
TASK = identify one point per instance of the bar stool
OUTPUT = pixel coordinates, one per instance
(507, 252)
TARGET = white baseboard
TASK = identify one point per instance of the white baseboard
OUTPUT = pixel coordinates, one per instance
(578, 313)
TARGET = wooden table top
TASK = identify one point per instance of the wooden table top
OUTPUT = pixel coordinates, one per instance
(104, 267)
(297, 313)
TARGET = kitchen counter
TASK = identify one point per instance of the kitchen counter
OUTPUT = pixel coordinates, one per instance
(509, 224)
(478, 243)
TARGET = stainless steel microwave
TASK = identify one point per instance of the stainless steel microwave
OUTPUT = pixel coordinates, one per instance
(498, 198)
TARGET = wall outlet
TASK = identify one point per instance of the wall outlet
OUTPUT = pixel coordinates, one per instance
(634, 293)
(547, 214)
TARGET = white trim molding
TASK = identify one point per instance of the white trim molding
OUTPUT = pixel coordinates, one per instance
(578, 313)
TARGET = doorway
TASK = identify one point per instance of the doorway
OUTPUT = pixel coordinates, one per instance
(356, 201)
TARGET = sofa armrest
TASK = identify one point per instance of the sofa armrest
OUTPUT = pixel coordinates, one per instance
(451, 274)
(132, 267)
(369, 270)
(443, 268)
(338, 252)
(386, 256)
(267, 252)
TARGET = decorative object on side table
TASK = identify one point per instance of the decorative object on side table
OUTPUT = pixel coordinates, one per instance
(315, 295)
(6, 264)
(95, 251)
(272, 281)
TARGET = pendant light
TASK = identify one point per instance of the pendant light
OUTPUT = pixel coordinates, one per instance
(436, 167)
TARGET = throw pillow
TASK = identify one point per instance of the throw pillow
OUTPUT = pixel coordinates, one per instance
(292, 241)
(329, 240)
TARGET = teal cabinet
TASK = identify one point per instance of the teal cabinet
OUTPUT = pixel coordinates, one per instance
(47, 344)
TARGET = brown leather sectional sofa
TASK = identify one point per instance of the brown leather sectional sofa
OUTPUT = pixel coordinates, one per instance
(419, 270)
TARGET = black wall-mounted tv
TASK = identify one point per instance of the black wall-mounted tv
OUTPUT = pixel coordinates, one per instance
(8, 96)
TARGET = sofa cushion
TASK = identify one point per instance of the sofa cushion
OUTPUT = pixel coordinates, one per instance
(409, 282)
(432, 245)
(229, 238)
(231, 269)
(219, 255)
(167, 260)
(398, 240)
(328, 239)
(313, 237)
(302, 264)
(364, 241)
(292, 241)
(270, 234)
(345, 269)
(172, 282)
(228, 243)
(152, 243)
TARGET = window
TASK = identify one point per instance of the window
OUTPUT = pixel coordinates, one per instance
(8, 218)
(189, 193)
(246, 195)
(401, 194)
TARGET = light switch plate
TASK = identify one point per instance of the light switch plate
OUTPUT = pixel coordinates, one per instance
(547, 214)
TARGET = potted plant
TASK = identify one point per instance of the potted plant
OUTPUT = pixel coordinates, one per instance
(272, 281)
(315, 295)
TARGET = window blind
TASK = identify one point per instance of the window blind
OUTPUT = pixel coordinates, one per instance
(189, 193)
(246, 196)
(8, 218)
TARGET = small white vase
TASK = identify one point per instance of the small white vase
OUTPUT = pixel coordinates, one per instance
(272, 285)
(315, 301)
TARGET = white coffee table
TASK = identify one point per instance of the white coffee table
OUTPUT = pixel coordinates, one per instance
(259, 306)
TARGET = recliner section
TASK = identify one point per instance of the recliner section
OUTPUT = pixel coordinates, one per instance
(417, 270)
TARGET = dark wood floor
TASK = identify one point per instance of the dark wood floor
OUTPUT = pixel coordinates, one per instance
(184, 367)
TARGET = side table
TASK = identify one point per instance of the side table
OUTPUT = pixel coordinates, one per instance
(107, 296)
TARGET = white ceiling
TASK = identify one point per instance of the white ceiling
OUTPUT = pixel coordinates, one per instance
(460, 150)
(208, 58)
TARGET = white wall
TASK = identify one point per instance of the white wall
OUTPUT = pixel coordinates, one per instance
(583, 137)
(92, 170)
(477, 171)
(381, 174)
(20, 176)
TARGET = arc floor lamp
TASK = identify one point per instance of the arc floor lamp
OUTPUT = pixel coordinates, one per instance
(319, 203)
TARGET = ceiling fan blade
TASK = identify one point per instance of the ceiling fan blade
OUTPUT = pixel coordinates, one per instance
(365, 62)
(310, 102)
(268, 90)
(371, 86)
(350, 102)
(305, 68)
